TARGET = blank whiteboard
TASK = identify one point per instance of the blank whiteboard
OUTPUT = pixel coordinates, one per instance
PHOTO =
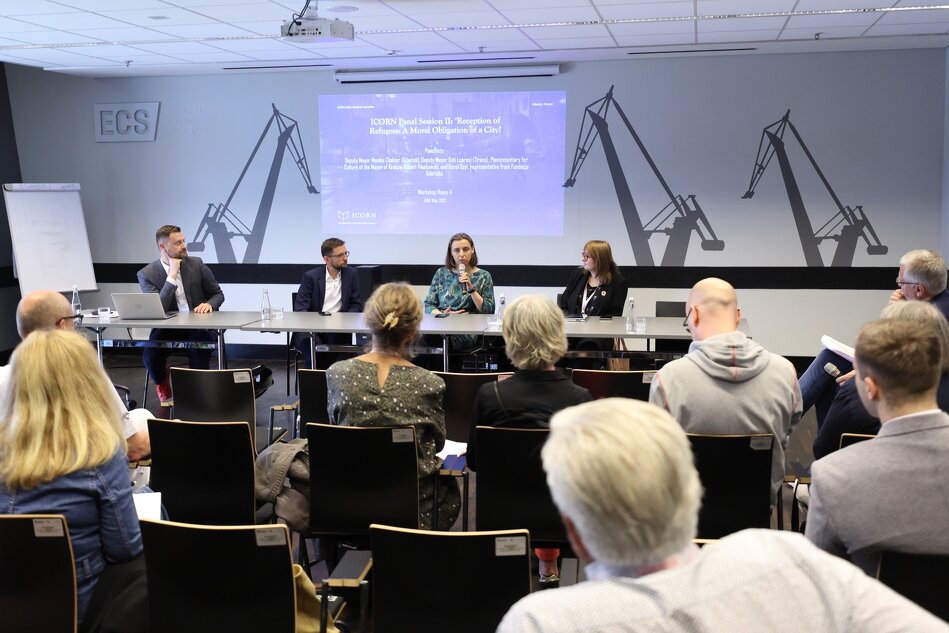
(50, 243)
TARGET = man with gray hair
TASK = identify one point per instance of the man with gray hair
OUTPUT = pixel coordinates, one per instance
(621, 473)
(922, 277)
(45, 309)
(729, 384)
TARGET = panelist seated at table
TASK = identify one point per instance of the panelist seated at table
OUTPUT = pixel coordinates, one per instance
(185, 284)
(333, 287)
(597, 288)
(460, 287)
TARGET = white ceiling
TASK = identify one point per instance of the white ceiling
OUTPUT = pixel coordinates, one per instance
(103, 38)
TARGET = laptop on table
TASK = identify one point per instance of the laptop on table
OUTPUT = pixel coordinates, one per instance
(140, 305)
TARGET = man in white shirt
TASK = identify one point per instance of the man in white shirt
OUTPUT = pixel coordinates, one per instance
(620, 471)
(332, 287)
(184, 284)
(44, 309)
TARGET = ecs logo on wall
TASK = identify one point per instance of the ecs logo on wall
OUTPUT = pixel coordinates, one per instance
(124, 122)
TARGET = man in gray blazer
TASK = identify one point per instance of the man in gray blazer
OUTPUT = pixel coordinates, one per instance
(892, 492)
(184, 283)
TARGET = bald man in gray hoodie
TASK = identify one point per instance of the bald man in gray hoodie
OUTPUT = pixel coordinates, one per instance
(727, 383)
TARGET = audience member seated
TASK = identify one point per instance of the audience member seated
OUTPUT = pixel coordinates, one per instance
(891, 492)
(597, 288)
(921, 277)
(727, 383)
(62, 452)
(621, 474)
(45, 309)
(848, 415)
(382, 388)
(534, 339)
(460, 287)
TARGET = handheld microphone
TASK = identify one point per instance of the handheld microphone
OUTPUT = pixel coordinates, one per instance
(831, 370)
(461, 269)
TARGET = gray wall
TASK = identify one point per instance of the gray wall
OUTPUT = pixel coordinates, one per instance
(873, 120)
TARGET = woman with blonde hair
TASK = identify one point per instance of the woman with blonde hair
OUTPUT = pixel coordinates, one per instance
(62, 451)
(534, 339)
(382, 388)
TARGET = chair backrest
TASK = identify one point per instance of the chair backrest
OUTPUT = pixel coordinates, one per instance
(670, 309)
(614, 384)
(360, 476)
(313, 399)
(214, 395)
(849, 439)
(408, 588)
(735, 471)
(461, 389)
(37, 574)
(218, 578)
(204, 470)
(922, 578)
(511, 490)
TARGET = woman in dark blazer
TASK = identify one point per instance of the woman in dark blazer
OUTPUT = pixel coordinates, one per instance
(596, 289)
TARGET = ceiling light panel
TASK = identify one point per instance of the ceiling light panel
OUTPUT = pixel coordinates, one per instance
(145, 17)
(651, 10)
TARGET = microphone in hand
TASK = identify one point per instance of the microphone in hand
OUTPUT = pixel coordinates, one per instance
(463, 277)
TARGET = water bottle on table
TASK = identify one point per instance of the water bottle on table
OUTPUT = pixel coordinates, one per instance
(266, 313)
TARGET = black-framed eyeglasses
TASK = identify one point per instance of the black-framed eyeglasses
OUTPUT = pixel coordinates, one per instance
(77, 319)
(685, 323)
(900, 283)
(346, 254)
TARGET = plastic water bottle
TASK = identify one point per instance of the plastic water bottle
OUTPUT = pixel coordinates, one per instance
(501, 303)
(631, 315)
(76, 303)
(266, 313)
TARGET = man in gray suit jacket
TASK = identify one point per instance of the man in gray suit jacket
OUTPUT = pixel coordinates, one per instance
(892, 492)
(184, 283)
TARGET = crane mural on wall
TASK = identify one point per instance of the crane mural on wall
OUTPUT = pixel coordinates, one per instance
(845, 227)
(224, 226)
(679, 219)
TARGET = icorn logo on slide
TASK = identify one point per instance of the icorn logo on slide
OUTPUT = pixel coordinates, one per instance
(124, 122)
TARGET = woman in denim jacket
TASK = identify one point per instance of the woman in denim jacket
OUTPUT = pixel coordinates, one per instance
(62, 452)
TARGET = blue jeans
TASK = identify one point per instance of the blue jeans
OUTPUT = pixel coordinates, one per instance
(818, 388)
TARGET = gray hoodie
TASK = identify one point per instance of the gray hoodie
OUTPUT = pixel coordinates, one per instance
(730, 384)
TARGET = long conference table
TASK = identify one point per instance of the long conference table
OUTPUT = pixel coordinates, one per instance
(354, 322)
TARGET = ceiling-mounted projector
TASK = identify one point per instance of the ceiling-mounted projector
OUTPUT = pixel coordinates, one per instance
(308, 26)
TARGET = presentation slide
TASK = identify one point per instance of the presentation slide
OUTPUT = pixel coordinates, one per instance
(490, 163)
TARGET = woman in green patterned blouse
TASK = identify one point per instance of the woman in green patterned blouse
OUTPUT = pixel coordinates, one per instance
(460, 287)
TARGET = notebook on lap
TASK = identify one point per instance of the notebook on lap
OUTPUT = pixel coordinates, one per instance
(139, 305)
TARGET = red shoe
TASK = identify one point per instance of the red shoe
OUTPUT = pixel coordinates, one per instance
(163, 389)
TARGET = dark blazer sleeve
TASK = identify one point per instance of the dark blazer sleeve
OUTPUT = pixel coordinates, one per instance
(619, 288)
(311, 291)
(152, 278)
(352, 299)
(211, 292)
(568, 298)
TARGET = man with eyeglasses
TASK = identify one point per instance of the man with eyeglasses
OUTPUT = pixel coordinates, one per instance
(45, 309)
(727, 383)
(333, 287)
(921, 277)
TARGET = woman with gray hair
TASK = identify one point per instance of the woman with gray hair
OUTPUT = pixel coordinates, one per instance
(847, 414)
(534, 339)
